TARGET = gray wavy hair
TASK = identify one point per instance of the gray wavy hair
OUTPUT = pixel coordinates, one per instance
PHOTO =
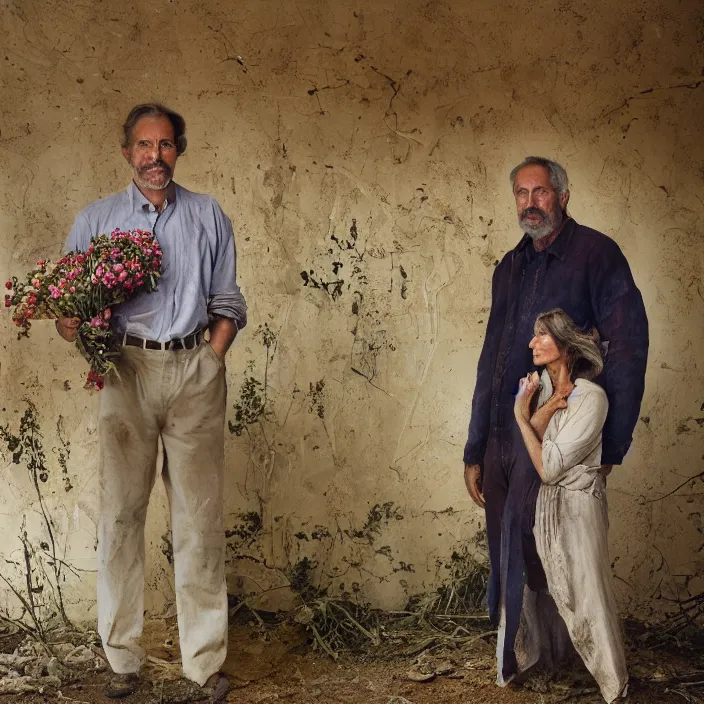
(155, 110)
(584, 358)
(558, 175)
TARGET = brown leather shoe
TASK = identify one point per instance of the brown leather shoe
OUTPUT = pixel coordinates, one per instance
(122, 685)
(216, 688)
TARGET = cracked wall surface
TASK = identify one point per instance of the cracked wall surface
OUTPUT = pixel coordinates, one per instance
(362, 151)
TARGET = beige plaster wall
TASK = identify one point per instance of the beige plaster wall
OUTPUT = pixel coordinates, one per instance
(398, 121)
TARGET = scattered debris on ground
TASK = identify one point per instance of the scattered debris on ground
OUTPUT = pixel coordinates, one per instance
(336, 650)
(28, 665)
(273, 660)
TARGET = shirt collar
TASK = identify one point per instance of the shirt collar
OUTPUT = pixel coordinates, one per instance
(139, 202)
(561, 244)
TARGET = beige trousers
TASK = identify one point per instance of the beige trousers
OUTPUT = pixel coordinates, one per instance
(178, 395)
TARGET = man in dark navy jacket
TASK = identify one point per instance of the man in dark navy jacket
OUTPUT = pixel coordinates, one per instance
(558, 264)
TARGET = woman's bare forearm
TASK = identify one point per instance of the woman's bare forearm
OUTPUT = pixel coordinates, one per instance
(539, 422)
(541, 418)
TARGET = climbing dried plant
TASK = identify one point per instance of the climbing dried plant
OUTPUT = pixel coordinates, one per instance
(27, 447)
(29, 592)
(250, 406)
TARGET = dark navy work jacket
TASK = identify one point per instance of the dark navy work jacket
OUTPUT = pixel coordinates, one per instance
(585, 273)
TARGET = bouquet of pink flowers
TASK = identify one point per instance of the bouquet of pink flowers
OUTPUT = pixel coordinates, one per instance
(85, 285)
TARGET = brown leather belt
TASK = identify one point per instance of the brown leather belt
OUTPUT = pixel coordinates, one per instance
(185, 343)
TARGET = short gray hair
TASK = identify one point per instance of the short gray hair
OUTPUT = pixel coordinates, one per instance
(558, 175)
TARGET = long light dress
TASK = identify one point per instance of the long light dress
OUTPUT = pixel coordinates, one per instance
(571, 526)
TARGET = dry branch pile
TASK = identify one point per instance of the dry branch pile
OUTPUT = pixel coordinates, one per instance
(452, 616)
(39, 666)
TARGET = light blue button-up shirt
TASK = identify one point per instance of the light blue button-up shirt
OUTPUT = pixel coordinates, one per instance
(199, 261)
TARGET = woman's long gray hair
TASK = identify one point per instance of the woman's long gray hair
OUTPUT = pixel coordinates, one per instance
(581, 349)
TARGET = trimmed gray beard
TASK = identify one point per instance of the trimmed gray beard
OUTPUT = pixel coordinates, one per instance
(551, 221)
(151, 186)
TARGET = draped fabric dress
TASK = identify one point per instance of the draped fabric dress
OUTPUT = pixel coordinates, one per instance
(571, 525)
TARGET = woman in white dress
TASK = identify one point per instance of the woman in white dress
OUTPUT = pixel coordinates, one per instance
(563, 439)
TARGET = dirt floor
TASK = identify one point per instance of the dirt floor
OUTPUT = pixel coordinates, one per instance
(278, 664)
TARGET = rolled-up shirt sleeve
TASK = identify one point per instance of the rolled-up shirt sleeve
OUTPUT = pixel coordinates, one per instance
(226, 299)
(577, 437)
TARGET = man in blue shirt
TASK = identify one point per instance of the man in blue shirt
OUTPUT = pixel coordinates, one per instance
(171, 387)
(557, 264)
